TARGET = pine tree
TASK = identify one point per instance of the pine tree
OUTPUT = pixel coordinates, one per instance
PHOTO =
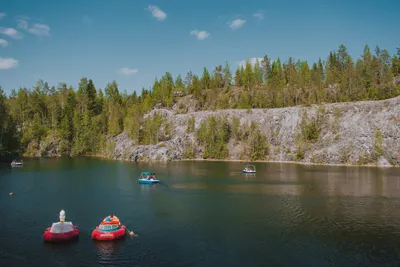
(395, 65)
(8, 133)
(132, 123)
(227, 75)
(258, 75)
(196, 85)
(179, 86)
(266, 67)
(367, 73)
(238, 78)
(82, 94)
(218, 77)
(248, 75)
(91, 95)
(205, 79)
(188, 82)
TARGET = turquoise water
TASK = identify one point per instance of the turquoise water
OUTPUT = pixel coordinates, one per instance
(202, 214)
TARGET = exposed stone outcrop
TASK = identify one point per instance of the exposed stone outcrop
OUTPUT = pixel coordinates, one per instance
(347, 134)
(49, 147)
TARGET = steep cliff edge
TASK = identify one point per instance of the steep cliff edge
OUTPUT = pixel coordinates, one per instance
(355, 133)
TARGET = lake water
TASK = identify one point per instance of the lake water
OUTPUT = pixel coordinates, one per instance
(202, 214)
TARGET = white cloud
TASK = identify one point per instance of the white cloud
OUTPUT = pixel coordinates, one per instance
(22, 24)
(201, 35)
(259, 15)
(2, 15)
(236, 24)
(37, 29)
(11, 32)
(253, 61)
(157, 12)
(8, 63)
(40, 29)
(3, 42)
(127, 71)
(86, 20)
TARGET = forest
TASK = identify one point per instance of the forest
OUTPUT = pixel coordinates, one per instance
(80, 119)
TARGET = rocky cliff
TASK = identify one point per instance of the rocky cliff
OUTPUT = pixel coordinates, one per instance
(355, 133)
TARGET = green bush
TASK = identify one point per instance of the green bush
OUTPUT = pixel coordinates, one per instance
(310, 131)
(190, 125)
(378, 144)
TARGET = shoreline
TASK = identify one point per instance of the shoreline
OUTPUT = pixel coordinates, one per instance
(227, 160)
(291, 162)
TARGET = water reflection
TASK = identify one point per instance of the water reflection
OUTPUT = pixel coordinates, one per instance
(301, 180)
(61, 245)
(148, 187)
(107, 250)
(250, 176)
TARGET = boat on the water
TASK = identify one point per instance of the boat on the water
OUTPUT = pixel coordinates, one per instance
(16, 163)
(61, 231)
(148, 178)
(109, 229)
(249, 169)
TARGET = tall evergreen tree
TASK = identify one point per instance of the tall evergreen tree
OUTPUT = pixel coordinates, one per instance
(91, 95)
(227, 75)
(205, 79)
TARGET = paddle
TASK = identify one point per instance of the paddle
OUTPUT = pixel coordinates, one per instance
(131, 233)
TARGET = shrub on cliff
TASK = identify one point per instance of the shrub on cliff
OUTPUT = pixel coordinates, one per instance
(213, 135)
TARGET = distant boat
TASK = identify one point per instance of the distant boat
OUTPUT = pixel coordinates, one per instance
(148, 178)
(249, 169)
(16, 163)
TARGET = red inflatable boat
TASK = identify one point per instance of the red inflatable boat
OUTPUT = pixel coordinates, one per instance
(61, 231)
(109, 229)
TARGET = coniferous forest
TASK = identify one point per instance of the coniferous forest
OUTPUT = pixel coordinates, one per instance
(82, 118)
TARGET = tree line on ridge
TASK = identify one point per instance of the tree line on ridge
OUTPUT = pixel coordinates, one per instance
(82, 119)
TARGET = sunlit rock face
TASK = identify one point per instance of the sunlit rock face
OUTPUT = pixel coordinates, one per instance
(347, 134)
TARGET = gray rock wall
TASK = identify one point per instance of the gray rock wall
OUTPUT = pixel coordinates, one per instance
(347, 134)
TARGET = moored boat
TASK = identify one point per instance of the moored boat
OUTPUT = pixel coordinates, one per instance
(249, 169)
(109, 229)
(61, 231)
(16, 163)
(148, 178)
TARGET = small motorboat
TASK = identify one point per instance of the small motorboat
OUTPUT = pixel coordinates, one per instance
(148, 178)
(249, 169)
(109, 229)
(16, 163)
(61, 231)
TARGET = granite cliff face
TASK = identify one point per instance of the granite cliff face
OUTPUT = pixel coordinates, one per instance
(354, 133)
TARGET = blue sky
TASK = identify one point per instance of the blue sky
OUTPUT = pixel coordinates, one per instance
(135, 41)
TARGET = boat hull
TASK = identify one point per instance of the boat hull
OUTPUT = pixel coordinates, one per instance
(145, 181)
(61, 237)
(109, 236)
(249, 172)
(17, 164)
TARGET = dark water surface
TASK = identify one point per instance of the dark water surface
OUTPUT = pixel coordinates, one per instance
(203, 214)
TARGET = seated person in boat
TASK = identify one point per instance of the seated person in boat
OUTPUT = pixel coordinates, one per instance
(62, 216)
(153, 176)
